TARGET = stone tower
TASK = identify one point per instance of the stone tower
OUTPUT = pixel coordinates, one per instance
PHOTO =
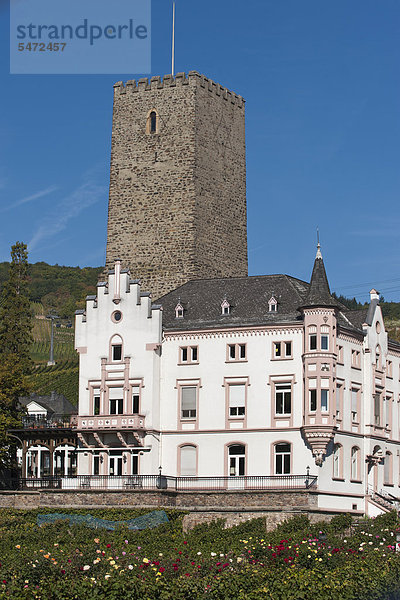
(177, 205)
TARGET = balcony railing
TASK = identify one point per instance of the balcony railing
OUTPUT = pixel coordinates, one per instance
(112, 422)
(164, 482)
(64, 422)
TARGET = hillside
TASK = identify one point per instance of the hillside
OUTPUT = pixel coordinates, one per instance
(58, 288)
(63, 290)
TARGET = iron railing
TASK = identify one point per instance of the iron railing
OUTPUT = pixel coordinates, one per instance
(64, 422)
(164, 482)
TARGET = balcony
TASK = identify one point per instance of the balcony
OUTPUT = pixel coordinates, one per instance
(110, 422)
(30, 422)
(164, 482)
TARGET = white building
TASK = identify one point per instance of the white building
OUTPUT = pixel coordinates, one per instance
(250, 380)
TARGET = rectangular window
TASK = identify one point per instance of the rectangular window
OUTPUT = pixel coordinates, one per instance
(117, 352)
(116, 402)
(313, 341)
(188, 402)
(237, 399)
(96, 405)
(283, 399)
(377, 409)
(338, 402)
(340, 354)
(116, 406)
(324, 342)
(354, 405)
(324, 400)
(236, 351)
(313, 400)
(135, 400)
(188, 354)
(355, 358)
(282, 350)
(389, 368)
(96, 464)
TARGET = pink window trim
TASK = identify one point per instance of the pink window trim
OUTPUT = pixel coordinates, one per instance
(228, 381)
(178, 463)
(181, 383)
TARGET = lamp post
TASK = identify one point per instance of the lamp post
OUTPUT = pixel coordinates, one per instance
(51, 361)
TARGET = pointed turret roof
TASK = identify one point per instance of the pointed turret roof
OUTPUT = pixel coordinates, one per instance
(319, 293)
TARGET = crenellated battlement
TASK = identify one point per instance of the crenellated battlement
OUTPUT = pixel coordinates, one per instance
(193, 78)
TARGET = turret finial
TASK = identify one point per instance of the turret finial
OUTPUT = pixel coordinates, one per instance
(319, 255)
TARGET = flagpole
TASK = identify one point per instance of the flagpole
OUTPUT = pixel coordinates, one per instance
(173, 39)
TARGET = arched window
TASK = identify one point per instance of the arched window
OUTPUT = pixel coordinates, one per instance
(152, 122)
(388, 469)
(283, 453)
(237, 460)
(188, 461)
(116, 353)
(355, 463)
(337, 461)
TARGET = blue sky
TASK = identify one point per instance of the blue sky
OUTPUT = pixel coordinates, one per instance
(321, 83)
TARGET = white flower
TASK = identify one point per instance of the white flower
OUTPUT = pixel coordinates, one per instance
(213, 554)
(222, 555)
(130, 567)
(86, 568)
(199, 554)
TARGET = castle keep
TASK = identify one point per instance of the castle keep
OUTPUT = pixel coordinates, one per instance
(177, 206)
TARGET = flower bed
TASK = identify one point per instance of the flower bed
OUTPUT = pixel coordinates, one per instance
(296, 561)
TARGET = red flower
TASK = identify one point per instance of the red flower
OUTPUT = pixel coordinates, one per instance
(62, 571)
(108, 545)
(185, 542)
(161, 569)
(4, 581)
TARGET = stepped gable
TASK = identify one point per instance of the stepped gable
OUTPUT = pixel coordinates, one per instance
(248, 298)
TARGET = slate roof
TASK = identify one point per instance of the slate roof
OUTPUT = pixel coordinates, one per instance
(55, 404)
(248, 298)
(319, 293)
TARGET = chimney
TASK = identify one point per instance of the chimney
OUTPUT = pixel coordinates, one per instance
(374, 294)
(117, 282)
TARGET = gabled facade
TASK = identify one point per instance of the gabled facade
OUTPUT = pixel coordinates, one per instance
(241, 394)
(118, 338)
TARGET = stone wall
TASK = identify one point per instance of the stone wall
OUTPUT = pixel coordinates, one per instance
(233, 507)
(177, 204)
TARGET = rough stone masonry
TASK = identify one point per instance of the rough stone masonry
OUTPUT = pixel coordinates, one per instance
(177, 204)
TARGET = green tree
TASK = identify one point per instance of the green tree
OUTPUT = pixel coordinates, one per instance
(12, 386)
(15, 311)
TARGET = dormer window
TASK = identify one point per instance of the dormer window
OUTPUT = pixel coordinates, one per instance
(179, 310)
(273, 304)
(225, 307)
